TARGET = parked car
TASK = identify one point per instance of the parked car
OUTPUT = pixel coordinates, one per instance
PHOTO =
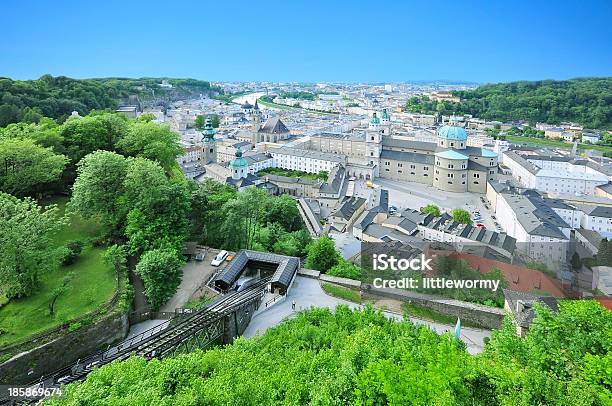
(392, 209)
(218, 260)
(480, 225)
(200, 256)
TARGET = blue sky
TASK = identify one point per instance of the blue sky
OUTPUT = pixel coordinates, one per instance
(310, 41)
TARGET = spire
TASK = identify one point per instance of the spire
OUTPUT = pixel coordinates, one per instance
(256, 107)
(385, 115)
(374, 120)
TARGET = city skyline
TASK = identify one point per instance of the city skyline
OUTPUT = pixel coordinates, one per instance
(309, 42)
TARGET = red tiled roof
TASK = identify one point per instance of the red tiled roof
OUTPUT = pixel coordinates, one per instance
(605, 302)
(519, 278)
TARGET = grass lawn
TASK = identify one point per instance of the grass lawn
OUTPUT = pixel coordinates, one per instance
(293, 174)
(92, 285)
(342, 292)
(555, 143)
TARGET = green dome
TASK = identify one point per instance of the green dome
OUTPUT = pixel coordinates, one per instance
(239, 162)
(374, 119)
(385, 115)
(452, 133)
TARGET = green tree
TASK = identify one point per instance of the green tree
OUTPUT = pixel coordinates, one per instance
(345, 269)
(206, 215)
(161, 272)
(99, 186)
(27, 169)
(244, 216)
(604, 253)
(45, 133)
(432, 209)
(462, 216)
(26, 251)
(322, 255)
(152, 141)
(93, 132)
(284, 210)
(200, 121)
(163, 223)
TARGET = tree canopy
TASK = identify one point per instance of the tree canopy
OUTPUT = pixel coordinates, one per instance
(27, 168)
(161, 271)
(57, 97)
(587, 101)
(462, 216)
(152, 141)
(362, 357)
(26, 251)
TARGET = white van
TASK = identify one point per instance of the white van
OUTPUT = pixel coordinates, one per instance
(218, 260)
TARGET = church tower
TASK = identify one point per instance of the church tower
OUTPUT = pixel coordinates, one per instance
(374, 143)
(239, 166)
(385, 122)
(256, 117)
(209, 153)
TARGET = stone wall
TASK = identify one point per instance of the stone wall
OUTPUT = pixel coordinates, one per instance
(32, 364)
(485, 316)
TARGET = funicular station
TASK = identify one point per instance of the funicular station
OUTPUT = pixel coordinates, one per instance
(251, 267)
(249, 280)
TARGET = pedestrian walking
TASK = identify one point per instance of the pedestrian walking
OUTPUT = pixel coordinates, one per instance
(293, 305)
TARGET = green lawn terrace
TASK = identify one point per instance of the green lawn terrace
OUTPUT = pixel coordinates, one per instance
(92, 285)
(322, 176)
(547, 142)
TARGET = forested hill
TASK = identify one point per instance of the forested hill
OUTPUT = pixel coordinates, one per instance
(586, 101)
(57, 97)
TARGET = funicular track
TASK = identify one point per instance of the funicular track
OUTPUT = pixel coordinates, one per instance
(198, 330)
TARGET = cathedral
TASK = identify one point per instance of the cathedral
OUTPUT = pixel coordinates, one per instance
(272, 130)
(448, 164)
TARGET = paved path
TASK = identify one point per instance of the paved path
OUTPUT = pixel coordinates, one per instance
(195, 275)
(308, 293)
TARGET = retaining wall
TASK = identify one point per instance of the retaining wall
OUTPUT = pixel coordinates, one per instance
(65, 350)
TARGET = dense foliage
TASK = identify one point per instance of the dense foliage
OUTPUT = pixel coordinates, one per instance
(161, 272)
(297, 95)
(322, 255)
(462, 216)
(361, 357)
(26, 168)
(26, 251)
(252, 219)
(58, 97)
(586, 101)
